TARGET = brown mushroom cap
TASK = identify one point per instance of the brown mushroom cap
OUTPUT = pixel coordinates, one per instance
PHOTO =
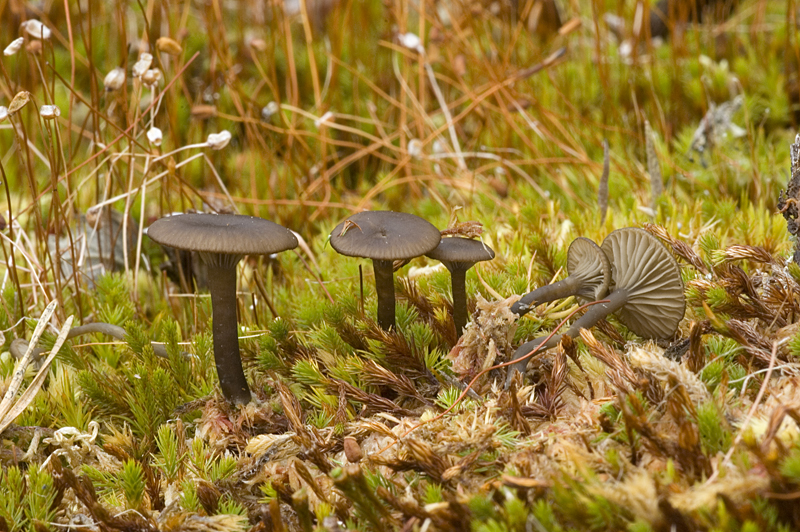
(587, 261)
(384, 235)
(643, 267)
(222, 233)
(458, 250)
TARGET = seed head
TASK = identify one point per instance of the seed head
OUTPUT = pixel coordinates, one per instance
(415, 148)
(49, 112)
(34, 47)
(114, 79)
(154, 136)
(324, 120)
(20, 100)
(168, 46)
(14, 47)
(268, 110)
(259, 45)
(411, 41)
(151, 77)
(217, 141)
(142, 65)
(36, 29)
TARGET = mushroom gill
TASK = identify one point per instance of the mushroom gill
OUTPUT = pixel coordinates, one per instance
(647, 292)
(589, 277)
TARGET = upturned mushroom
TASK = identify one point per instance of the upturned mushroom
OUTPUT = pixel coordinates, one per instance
(459, 255)
(647, 292)
(589, 277)
(384, 236)
(222, 240)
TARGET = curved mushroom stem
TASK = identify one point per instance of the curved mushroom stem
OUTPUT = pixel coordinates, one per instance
(460, 313)
(546, 294)
(19, 346)
(527, 348)
(384, 287)
(222, 285)
(612, 303)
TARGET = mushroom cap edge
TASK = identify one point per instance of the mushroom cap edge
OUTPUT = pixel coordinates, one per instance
(384, 235)
(233, 234)
(642, 265)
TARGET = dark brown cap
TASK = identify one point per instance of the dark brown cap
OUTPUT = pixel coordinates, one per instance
(384, 235)
(464, 251)
(643, 267)
(222, 233)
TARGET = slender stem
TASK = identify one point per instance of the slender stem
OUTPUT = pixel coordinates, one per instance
(526, 348)
(384, 286)
(614, 301)
(11, 261)
(18, 347)
(460, 313)
(222, 284)
(546, 294)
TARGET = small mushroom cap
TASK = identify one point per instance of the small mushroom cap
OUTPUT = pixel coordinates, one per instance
(232, 234)
(587, 261)
(384, 235)
(463, 251)
(643, 267)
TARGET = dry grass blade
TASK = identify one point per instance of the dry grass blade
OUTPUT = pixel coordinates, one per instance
(653, 167)
(610, 358)
(509, 401)
(373, 403)
(602, 187)
(308, 478)
(22, 365)
(680, 248)
(695, 360)
(754, 253)
(26, 398)
(294, 413)
(421, 457)
(754, 343)
(652, 360)
(377, 375)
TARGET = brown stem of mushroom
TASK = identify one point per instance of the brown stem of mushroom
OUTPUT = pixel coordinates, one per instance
(222, 285)
(546, 294)
(460, 313)
(601, 309)
(384, 287)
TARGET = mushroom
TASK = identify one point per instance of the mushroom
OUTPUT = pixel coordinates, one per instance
(384, 236)
(221, 241)
(459, 255)
(589, 276)
(647, 292)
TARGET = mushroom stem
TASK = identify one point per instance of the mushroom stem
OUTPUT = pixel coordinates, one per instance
(19, 346)
(222, 285)
(546, 294)
(384, 287)
(612, 303)
(460, 313)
